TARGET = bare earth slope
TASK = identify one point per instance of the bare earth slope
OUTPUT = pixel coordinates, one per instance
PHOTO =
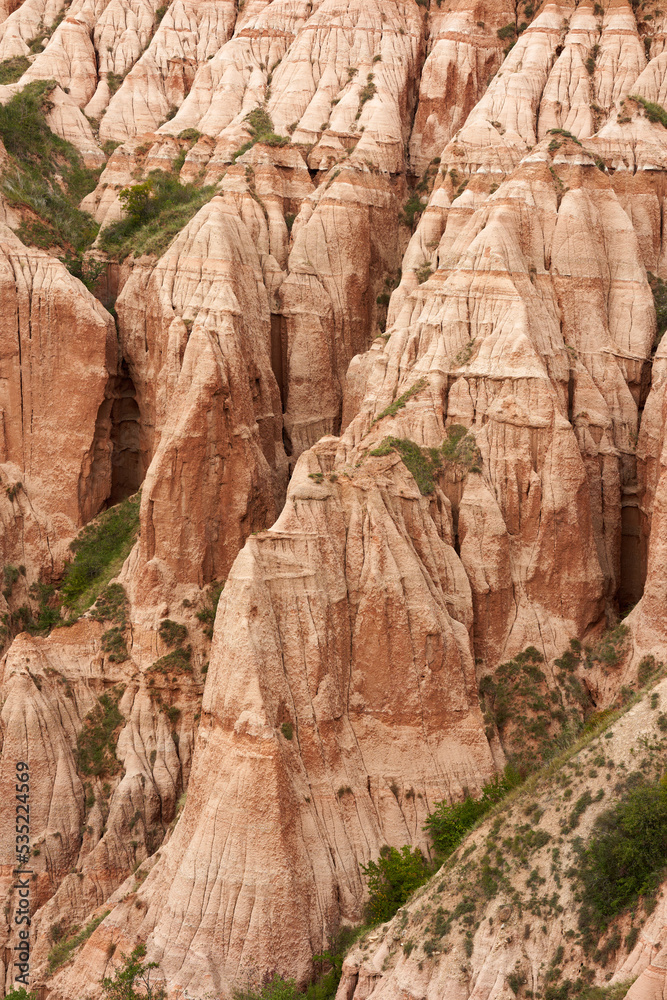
(397, 383)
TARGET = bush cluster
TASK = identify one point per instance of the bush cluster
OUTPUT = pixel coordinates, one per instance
(458, 448)
(96, 743)
(157, 210)
(392, 879)
(448, 824)
(625, 856)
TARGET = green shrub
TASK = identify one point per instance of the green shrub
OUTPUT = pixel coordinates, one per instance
(172, 633)
(30, 181)
(190, 134)
(287, 729)
(261, 130)
(62, 951)
(173, 714)
(424, 272)
(114, 81)
(448, 824)
(392, 879)
(96, 743)
(207, 614)
(83, 266)
(37, 621)
(412, 208)
(366, 93)
(113, 643)
(10, 575)
(423, 463)
(132, 981)
(157, 210)
(654, 112)
(533, 720)
(509, 31)
(399, 403)
(276, 988)
(111, 605)
(12, 70)
(99, 550)
(625, 856)
(580, 807)
(176, 662)
(611, 647)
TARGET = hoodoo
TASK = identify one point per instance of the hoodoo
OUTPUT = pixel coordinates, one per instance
(333, 500)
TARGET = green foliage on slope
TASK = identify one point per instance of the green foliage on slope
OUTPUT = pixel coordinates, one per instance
(46, 178)
(100, 550)
(157, 210)
(392, 879)
(458, 448)
(96, 743)
(626, 855)
(448, 824)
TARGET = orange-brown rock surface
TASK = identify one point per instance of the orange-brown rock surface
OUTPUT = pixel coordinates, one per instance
(439, 223)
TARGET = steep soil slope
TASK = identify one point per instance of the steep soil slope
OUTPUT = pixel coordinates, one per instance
(376, 333)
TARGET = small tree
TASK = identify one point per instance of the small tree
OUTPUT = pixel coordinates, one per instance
(133, 980)
(20, 994)
(392, 879)
(136, 200)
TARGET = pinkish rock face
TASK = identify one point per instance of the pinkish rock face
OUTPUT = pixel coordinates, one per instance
(394, 383)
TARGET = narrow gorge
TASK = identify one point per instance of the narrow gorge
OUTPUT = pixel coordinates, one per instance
(333, 487)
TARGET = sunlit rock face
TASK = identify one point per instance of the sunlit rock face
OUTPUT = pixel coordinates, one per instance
(437, 224)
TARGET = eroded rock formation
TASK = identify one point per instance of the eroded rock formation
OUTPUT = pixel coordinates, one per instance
(421, 286)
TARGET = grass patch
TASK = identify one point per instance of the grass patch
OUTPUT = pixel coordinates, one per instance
(113, 643)
(100, 550)
(530, 718)
(399, 403)
(111, 605)
(366, 93)
(414, 458)
(260, 126)
(157, 210)
(62, 951)
(96, 743)
(412, 208)
(35, 621)
(565, 134)
(459, 448)
(610, 648)
(12, 70)
(31, 183)
(654, 112)
(176, 662)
